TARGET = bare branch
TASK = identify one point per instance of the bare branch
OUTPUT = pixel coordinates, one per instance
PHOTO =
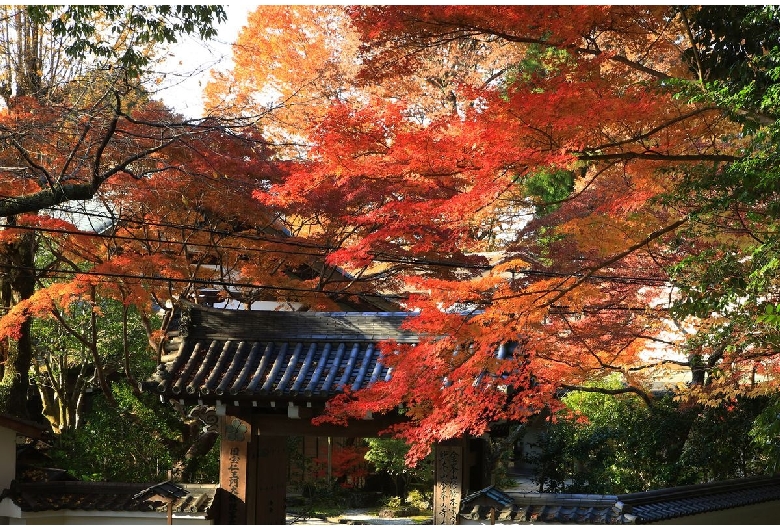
(613, 391)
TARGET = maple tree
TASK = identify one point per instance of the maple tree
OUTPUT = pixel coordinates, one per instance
(566, 172)
(69, 130)
(556, 189)
(173, 217)
(345, 466)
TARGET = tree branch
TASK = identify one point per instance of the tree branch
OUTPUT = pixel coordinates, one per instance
(613, 391)
(652, 155)
(617, 257)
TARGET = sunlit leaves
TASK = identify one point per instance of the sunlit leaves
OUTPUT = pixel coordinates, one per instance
(569, 114)
(119, 36)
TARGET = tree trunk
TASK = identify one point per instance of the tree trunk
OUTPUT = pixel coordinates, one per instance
(17, 283)
(28, 60)
(698, 370)
(126, 351)
(184, 469)
(17, 258)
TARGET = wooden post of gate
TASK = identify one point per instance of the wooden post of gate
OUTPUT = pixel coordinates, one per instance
(270, 493)
(234, 470)
(450, 476)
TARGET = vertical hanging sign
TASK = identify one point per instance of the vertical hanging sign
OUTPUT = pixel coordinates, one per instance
(233, 470)
(449, 484)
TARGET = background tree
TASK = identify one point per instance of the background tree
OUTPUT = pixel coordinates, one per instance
(616, 444)
(728, 281)
(388, 456)
(151, 442)
(67, 130)
(85, 346)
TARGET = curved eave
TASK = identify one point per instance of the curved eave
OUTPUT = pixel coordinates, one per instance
(241, 370)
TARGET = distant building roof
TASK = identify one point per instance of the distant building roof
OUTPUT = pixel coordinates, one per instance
(634, 508)
(105, 496)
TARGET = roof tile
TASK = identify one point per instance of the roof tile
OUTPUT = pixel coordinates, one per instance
(251, 354)
(105, 496)
(642, 507)
(659, 505)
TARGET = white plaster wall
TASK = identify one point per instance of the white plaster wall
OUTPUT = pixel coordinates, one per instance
(62, 517)
(9, 512)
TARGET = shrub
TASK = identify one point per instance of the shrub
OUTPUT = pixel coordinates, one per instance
(391, 502)
(421, 501)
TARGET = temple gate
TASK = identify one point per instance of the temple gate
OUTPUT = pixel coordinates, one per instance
(267, 373)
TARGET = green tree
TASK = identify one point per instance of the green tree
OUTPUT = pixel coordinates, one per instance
(765, 434)
(137, 439)
(123, 36)
(616, 444)
(388, 456)
(87, 344)
(725, 282)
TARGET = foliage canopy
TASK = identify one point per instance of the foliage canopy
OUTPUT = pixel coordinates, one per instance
(584, 185)
(587, 183)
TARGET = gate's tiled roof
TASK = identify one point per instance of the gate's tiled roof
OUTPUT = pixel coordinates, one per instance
(260, 355)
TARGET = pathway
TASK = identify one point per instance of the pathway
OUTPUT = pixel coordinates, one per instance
(524, 485)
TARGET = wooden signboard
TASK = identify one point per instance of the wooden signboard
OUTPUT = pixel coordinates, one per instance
(233, 470)
(448, 490)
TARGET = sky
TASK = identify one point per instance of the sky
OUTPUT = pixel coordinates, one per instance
(191, 60)
(188, 70)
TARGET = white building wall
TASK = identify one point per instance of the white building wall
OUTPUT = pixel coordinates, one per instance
(79, 517)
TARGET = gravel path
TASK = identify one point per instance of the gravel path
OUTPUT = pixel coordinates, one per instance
(353, 517)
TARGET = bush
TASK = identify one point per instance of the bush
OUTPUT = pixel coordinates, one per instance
(391, 502)
(394, 508)
(421, 501)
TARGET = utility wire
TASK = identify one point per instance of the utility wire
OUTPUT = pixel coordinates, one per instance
(643, 280)
(121, 220)
(68, 275)
(171, 242)
(637, 280)
(109, 276)
(64, 274)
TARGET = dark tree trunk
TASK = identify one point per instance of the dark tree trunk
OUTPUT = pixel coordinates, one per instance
(184, 470)
(17, 283)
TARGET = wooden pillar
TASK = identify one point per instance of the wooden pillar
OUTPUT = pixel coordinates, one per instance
(234, 471)
(252, 475)
(450, 475)
(478, 472)
(270, 492)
